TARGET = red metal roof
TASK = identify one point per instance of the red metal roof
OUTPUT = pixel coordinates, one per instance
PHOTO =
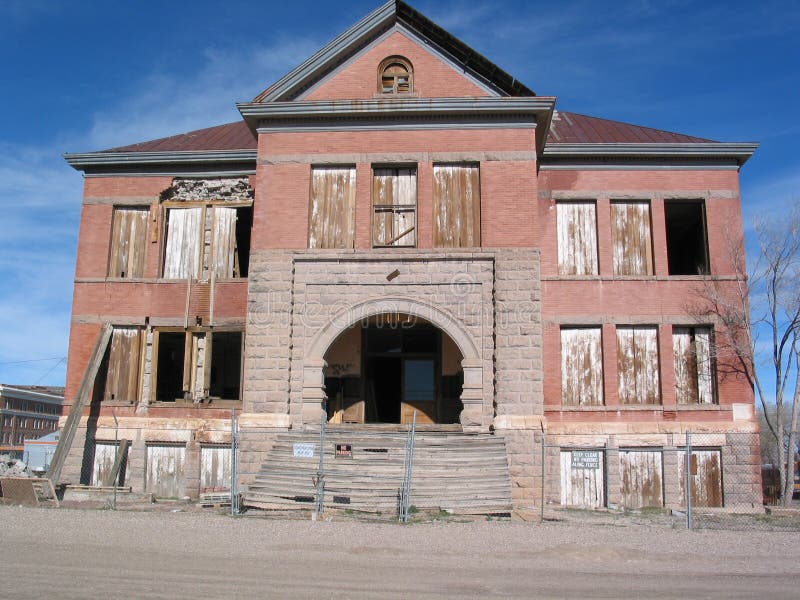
(231, 136)
(572, 128)
(566, 128)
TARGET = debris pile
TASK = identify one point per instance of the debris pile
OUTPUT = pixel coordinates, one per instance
(13, 467)
(231, 189)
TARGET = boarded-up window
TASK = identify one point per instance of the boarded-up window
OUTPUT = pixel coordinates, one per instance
(577, 238)
(582, 481)
(215, 468)
(333, 207)
(694, 380)
(105, 456)
(456, 206)
(706, 477)
(184, 243)
(637, 365)
(630, 237)
(581, 366)
(128, 242)
(394, 204)
(641, 478)
(124, 357)
(164, 470)
(223, 255)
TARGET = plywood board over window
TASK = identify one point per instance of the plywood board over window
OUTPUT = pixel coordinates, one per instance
(164, 470)
(456, 206)
(128, 242)
(581, 366)
(694, 375)
(577, 238)
(215, 468)
(705, 478)
(394, 204)
(641, 476)
(637, 365)
(580, 486)
(124, 357)
(184, 243)
(333, 207)
(631, 238)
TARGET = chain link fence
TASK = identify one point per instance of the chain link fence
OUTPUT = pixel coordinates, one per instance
(695, 480)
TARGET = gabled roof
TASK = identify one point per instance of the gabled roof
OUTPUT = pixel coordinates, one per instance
(359, 35)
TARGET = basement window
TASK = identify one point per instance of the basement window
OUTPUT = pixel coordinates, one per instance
(687, 246)
(198, 366)
(205, 240)
(394, 207)
(395, 76)
(128, 242)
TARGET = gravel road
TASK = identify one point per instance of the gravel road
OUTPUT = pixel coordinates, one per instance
(102, 554)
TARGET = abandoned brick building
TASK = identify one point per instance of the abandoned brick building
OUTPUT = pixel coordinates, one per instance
(399, 225)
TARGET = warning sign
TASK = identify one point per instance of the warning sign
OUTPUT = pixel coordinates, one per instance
(585, 459)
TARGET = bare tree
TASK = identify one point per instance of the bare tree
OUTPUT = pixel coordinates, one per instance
(763, 303)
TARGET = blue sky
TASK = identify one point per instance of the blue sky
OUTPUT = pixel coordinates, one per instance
(86, 75)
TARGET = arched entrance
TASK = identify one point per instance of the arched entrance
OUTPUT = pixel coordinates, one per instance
(345, 359)
(389, 366)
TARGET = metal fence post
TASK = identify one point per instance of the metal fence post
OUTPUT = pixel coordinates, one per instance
(405, 488)
(541, 501)
(234, 474)
(116, 446)
(688, 484)
(320, 483)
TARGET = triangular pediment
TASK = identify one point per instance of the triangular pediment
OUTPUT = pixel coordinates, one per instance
(347, 67)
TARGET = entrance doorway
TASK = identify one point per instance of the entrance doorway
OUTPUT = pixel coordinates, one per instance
(405, 365)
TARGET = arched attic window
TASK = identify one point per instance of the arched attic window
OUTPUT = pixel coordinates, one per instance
(395, 76)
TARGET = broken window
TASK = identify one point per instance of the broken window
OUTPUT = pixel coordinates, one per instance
(694, 373)
(124, 357)
(198, 365)
(641, 476)
(201, 240)
(456, 206)
(577, 238)
(631, 238)
(637, 365)
(705, 477)
(394, 205)
(332, 214)
(581, 366)
(128, 242)
(687, 247)
(395, 76)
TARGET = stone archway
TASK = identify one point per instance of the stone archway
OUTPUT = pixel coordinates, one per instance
(313, 392)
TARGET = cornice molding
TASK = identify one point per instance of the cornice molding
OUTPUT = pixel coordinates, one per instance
(734, 151)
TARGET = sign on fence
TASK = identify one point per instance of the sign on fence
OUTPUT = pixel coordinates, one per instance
(300, 450)
(585, 459)
(344, 451)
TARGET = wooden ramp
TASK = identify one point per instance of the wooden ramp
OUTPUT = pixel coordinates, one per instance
(458, 472)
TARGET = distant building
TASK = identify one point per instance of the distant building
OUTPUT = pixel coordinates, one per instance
(27, 412)
(39, 452)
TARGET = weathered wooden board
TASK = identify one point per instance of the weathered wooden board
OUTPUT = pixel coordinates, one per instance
(706, 477)
(631, 238)
(184, 247)
(582, 487)
(577, 238)
(122, 379)
(641, 478)
(581, 366)
(224, 242)
(215, 468)
(637, 365)
(456, 206)
(128, 242)
(333, 207)
(164, 470)
(694, 382)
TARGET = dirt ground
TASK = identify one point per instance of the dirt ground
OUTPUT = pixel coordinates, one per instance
(67, 553)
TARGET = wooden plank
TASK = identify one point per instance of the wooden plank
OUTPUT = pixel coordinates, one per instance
(122, 379)
(164, 470)
(631, 238)
(456, 206)
(693, 365)
(128, 242)
(577, 238)
(706, 478)
(637, 365)
(332, 207)
(582, 488)
(581, 366)
(223, 242)
(183, 246)
(641, 478)
(84, 392)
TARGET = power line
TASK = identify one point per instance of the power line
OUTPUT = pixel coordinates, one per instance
(19, 362)
(53, 368)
